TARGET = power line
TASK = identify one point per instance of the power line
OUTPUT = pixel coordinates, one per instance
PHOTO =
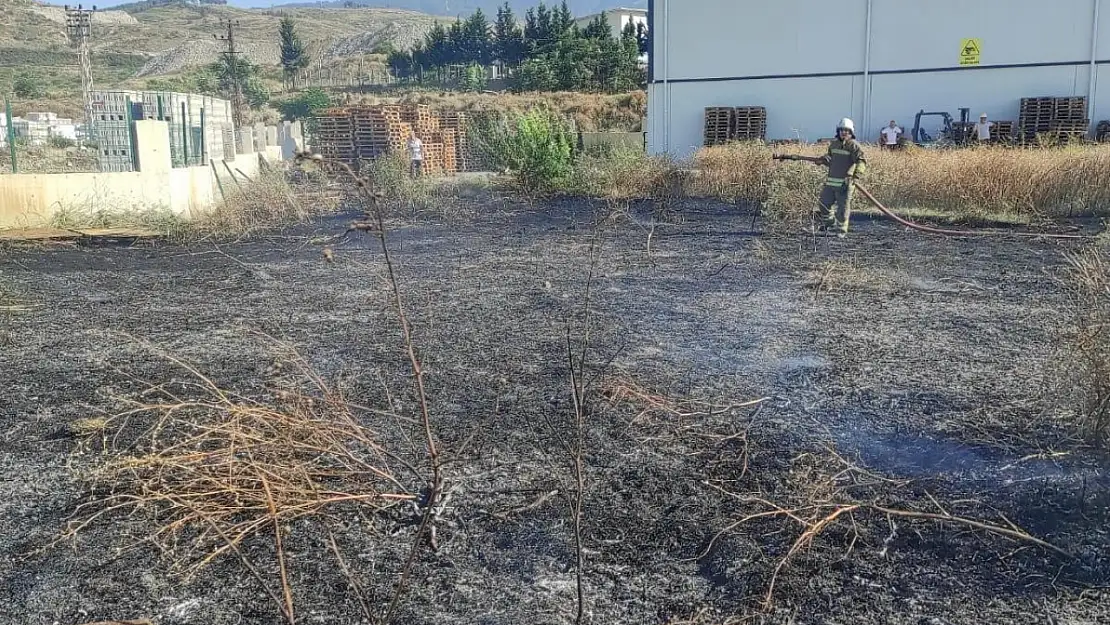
(79, 30)
(237, 104)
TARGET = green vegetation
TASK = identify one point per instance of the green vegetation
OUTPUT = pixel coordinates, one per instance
(305, 104)
(294, 58)
(536, 147)
(550, 53)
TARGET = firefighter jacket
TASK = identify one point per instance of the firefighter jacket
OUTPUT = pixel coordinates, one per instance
(844, 159)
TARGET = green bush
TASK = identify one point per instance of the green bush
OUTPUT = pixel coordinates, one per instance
(306, 104)
(61, 143)
(27, 85)
(536, 147)
(391, 175)
(474, 79)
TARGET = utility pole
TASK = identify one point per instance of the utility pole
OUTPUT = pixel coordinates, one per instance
(233, 69)
(79, 30)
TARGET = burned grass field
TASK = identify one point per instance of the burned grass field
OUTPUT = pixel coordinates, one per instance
(749, 431)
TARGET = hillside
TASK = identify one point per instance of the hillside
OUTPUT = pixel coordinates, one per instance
(148, 41)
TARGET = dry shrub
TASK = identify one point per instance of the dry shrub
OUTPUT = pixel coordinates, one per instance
(979, 183)
(208, 469)
(1086, 342)
(624, 174)
(740, 172)
(266, 201)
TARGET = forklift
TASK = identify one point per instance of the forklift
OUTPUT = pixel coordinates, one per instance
(953, 133)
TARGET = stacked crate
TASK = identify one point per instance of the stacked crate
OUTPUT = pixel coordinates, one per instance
(1035, 117)
(749, 123)
(1069, 120)
(455, 125)
(1002, 132)
(718, 125)
(353, 133)
(1057, 118)
(335, 137)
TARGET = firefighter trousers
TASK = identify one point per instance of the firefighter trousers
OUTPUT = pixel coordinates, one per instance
(840, 197)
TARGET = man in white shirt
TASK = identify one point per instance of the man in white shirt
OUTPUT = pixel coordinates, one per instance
(983, 129)
(416, 153)
(890, 136)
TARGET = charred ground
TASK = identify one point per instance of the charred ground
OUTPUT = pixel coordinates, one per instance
(898, 371)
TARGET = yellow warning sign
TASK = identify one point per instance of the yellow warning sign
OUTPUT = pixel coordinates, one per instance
(970, 49)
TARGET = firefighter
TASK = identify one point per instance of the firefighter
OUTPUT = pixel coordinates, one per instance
(846, 162)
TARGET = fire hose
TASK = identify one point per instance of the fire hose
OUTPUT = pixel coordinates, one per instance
(915, 226)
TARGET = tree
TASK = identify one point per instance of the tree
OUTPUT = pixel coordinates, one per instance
(508, 38)
(538, 34)
(598, 29)
(293, 55)
(642, 37)
(456, 44)
(401, 63)
(562, 21)
(477, 46)
(437, 46)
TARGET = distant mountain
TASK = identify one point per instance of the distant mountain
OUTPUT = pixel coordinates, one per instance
(460, 7)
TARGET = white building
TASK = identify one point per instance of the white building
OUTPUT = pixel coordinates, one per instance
(617, 19)
(812, 62)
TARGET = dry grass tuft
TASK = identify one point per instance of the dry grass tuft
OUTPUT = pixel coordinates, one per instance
(209, 469)
(264, 202)
(838, 500)
(623, 174)
(1086, 344)
(848, 275)
(973, 185)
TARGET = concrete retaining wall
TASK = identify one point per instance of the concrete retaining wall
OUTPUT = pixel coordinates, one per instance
(34, 200)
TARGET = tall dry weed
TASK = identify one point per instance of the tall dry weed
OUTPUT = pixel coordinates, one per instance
(624, 174)
(266, 201)
(1085, 360)
(738, 173)
(960, 184)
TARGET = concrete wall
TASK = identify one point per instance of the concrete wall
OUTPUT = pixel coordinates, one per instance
(810, 62)
(34, 200)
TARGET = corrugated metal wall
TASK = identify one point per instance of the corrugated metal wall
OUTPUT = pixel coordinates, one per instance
(809, 62)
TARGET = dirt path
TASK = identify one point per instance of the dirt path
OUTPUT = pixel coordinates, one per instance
(916, 358)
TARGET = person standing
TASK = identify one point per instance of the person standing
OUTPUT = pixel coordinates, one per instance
(846, 162)
(890, 136)
(416, 154)
(983, 129)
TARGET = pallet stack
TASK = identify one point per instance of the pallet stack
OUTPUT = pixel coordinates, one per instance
(1060, 119)
(718, 125)
(749, 123)
(741, 123)
(1002, 132)
(335, 137)
(455, 124)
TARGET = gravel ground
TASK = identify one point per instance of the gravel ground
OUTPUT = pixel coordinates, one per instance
(921, 362)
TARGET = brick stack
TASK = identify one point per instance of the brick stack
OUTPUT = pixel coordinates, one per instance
(1060, 119)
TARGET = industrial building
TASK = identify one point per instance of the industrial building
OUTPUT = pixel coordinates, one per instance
(617, 19)
(809, 63)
